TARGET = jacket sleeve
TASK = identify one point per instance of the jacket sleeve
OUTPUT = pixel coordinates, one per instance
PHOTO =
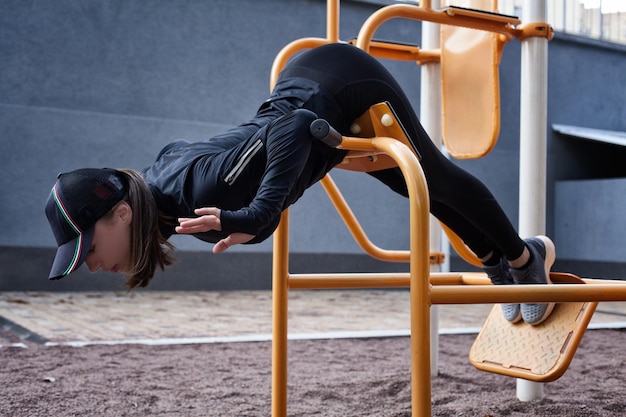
(288, 145)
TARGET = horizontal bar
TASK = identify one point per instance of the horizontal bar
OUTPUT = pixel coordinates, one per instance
(494, 294)
(376, 280)
(401, 51)
(468, 288)
(347, 281)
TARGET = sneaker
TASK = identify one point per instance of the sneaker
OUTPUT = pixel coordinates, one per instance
(500, 275)
(538, 272)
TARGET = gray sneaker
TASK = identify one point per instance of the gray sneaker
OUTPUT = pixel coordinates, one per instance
(538, 272)
(500, 275)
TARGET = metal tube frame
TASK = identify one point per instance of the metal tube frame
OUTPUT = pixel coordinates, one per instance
(419, 266)
(426, 288)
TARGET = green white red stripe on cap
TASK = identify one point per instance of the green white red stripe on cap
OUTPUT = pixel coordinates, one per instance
(72, 223)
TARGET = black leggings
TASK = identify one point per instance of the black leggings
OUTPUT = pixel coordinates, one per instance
(457, 198)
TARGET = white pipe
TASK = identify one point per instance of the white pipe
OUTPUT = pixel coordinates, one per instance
(430, 116)
(533, 154)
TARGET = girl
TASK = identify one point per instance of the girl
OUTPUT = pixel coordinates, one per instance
(232, 188)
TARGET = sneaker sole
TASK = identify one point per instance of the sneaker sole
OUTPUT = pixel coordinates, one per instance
(550, 256)
(547, 264)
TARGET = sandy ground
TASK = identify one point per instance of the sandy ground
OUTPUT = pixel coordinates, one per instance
(340, 377)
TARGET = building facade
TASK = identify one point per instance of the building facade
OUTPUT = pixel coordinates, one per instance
(96, 83)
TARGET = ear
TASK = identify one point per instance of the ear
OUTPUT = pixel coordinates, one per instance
(124, 212)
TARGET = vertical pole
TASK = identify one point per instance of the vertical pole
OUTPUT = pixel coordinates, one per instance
(430, 116)
(280, 292)
(332, 20)
(280, 273)
(533, 152)
(419, 280)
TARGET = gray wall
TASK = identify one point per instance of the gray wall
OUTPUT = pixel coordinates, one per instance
(108, 83)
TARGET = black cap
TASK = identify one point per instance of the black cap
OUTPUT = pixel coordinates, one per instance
(77, 201)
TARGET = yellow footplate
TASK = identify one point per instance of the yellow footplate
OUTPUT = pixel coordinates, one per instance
(538, 353)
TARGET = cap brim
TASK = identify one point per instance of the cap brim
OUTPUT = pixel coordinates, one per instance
(71, 255)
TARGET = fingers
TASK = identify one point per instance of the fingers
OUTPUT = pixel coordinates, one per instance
(208, 220)
(214, 211)
(231, 240)
(221, 246)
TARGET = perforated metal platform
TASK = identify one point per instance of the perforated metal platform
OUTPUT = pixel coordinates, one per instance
(538, 353)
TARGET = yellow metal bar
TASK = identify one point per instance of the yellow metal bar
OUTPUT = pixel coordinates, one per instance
(475, 278)
(401, 51)
(280, 267)
(332, 20)
(419, 251)
(446, 278)
(378, 280)
(494, 294)
(345, 281)
(287, 52)
(603, 281)
(536, 29)
(418, 280)
(460, 247)
(467, 287)
(332, 35)
(419, 244)
(477, 20)
(355, 228)
(280, 293)
(371, 280)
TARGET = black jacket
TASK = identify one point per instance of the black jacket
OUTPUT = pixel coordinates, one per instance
(252, 172)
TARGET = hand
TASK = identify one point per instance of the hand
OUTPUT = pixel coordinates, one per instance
(208, 219)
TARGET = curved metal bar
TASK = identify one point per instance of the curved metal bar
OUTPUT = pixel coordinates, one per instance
(287, 52)
(419, 247)
(355, 228)
(478, 21)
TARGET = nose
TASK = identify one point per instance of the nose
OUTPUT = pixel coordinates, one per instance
(92, 263)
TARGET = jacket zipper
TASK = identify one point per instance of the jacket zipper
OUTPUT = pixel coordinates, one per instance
(243, 162)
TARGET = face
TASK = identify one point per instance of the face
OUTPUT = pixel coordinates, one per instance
(110, 247)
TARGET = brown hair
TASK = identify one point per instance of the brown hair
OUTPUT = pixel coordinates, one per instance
(149, 249)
